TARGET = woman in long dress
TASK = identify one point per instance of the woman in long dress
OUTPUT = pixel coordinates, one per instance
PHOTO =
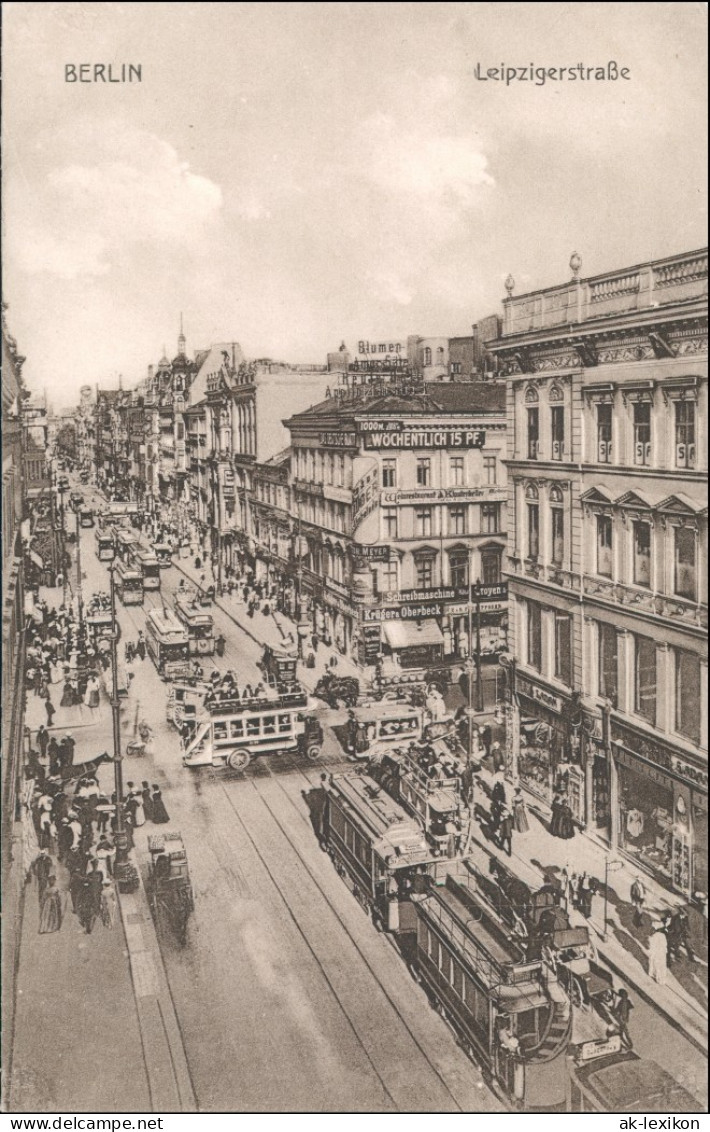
(108, 904)
(658, 954)
(520, 814)
(50, 917)
(160, 814)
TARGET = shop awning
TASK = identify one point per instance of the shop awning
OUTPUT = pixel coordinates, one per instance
(407, 635)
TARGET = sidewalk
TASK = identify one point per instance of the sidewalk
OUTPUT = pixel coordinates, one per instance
(537, 857)
(117, 1044)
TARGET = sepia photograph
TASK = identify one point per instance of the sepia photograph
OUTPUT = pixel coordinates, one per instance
(354, 563)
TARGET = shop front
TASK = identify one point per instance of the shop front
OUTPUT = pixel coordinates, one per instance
(413, 644)
(662, 810)
(550, 753)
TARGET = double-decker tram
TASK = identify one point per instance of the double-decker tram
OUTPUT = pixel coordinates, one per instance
(104, 537)
(129, 584)
(149, 568)
(167, 644)
(164, 553)
(198, 625)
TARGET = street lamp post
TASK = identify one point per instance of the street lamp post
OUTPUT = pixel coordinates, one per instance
(123, 867)
(79, 593)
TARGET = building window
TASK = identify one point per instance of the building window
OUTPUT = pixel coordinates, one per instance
(490, 566)
(604, 433)
(389, 473)
(563, 648)
(642, 554)
(604, 545)
(684, 584)
(422, 522)
(341, 471)
(424, 568)
(423, 471)
(608, 662)
(685, 434)
(389, 522)
(533, 530)
(534, 641)
(427, 356)
(490, 470)
(457, 520)
(389, 577)
(490, 518)
(456, 466)
(557, 415)
(645, 678)
(533, 433)
(456, 367)
(458, 568)
(557, 515)
(642, 433)
(687, 695)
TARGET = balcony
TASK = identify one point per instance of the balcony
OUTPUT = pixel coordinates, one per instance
(676, 609)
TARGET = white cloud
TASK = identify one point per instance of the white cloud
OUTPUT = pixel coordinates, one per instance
(135, 191)
(443, 169)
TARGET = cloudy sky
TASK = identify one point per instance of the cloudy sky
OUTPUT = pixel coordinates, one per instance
(289, 175)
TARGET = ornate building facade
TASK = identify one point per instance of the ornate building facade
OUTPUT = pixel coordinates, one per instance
(607, 553)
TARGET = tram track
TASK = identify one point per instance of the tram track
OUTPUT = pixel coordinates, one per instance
(326, 899)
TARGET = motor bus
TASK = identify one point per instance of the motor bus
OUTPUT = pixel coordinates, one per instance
(198, 625)
(167, 644)
(129, 584)
(149, 568)
(164, 553)
(104, 544)
(233, 735)
(126, 545)
(609, 1080)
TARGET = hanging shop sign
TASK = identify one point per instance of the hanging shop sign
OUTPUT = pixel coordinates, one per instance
(394, 434)
(539, 695)
(689, 772)
(402, 613)
(337, 439)
(497, 591)
(371, 553)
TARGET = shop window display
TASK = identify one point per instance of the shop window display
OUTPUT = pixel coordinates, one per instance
(646, 825)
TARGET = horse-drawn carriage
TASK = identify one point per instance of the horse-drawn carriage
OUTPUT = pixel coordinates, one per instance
(169, 887)
(338, 690)
(278, 665)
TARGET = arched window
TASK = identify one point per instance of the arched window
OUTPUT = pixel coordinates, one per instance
(427, 356)
(555, 395)
(531, 492)
(533, 522)
(555, 494)
(531, 397)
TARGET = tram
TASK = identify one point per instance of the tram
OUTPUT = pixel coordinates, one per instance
(375, 846)
(129, 584)
(233, 734)
(149, 568)
(198, 625)
(104, 544)
(164, 553)
(427, 784)
(126, 545)
(167, 644)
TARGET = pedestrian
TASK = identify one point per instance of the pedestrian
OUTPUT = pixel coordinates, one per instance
(658, 953)
(42, 740)
(679, 935)
(621, 1012)
(520, 815)
(497, 756)
(562, 824)
(90, 898)
(50, 917)
(160, 814)
(50, 710)
(147, 801)
(638, 897)
(140, 646)
(108, 904)
(42, 869)
(76, 883)
(505, 831)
